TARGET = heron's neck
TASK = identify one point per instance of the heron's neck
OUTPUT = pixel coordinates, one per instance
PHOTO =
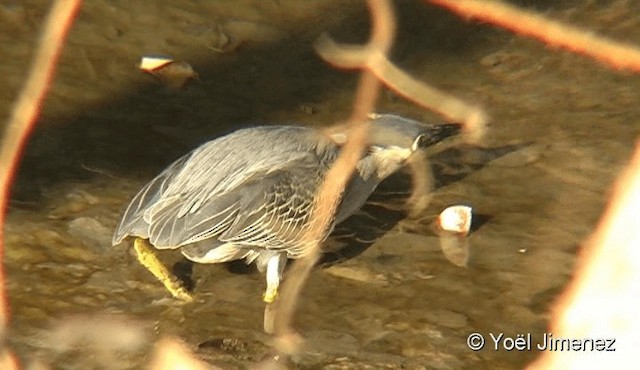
(388, 160)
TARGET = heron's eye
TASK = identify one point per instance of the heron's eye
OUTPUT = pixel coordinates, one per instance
(423, 140)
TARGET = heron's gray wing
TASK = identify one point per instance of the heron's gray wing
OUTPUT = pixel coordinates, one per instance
(133, 222)
(355, 196)
(278, 218)
(209, 173)
(221, 165)
(168, 229)
(267, 211)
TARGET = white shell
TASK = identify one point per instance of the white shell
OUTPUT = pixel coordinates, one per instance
(456, 219)
(150, 63)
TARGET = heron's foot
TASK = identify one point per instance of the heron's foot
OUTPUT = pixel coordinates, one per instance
(148, 259)
(270, 294)
(275, 267)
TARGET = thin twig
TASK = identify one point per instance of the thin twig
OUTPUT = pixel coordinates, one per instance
(447, 105)
(26, 111)
(422, 185)
(616, 54)
(336, 178)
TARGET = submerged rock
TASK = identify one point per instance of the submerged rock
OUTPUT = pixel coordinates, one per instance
(90, 231)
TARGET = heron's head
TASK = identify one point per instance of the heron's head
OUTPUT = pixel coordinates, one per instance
(391, 131)
(394, 139)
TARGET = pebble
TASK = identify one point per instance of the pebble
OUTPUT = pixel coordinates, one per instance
(216, 37)
(100, 330)
(86, 301)
(74, 202)
(25, 254)
(80, 195)
(91, 231)
(356, 273)
(34, 314)
(176, 74)
(449, 319)
(519, 158)
(105, 281)
(497, 58)
(241, 31)
(331, 342)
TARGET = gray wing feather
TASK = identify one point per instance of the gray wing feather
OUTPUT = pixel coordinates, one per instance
(249, 215)
(355, 196)
(277, 220)
(221, 186)
(228, 162)
(133, 222)
(167, 230)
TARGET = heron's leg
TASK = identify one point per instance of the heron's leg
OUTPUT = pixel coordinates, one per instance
(275, 267)
(148, 259)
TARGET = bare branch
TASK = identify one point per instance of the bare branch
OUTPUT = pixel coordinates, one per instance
(602, 300)
(370, 59)
(616, 54)
(27, 109)
(336, 178)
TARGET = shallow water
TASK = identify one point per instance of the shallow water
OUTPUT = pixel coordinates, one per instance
(561, 129)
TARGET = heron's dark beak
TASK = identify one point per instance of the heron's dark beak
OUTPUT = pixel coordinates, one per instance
(437, 133)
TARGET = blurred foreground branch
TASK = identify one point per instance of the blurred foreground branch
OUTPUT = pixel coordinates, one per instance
(616, 54)
(603, 299)
(171, 354)
(336, 179)
(24, 115)
(370, 59)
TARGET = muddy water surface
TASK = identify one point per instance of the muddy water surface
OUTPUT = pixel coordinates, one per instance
(561, 129)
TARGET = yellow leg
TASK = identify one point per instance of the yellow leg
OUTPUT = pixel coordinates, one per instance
(148, 259)
(270, 295)
(275, 267)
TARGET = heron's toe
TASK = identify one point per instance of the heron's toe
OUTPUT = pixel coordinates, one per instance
(150, 261)
(270, 294)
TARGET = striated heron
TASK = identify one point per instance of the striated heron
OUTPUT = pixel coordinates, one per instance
(248, 195)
